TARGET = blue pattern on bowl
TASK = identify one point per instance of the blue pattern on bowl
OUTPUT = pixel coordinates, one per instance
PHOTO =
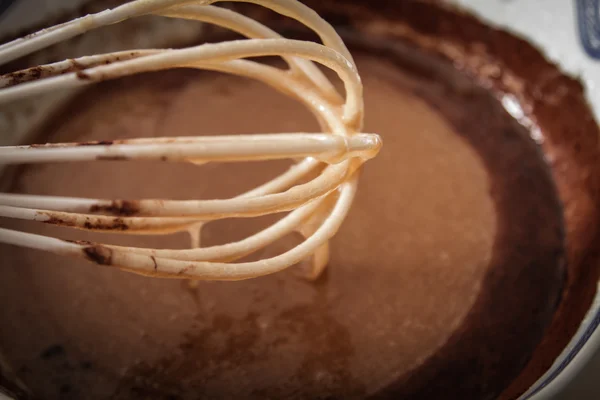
(588, 21)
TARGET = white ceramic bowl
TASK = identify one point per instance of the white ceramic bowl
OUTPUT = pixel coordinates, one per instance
(567, 32)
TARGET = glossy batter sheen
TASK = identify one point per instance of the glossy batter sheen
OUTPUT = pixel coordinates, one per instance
(405, 268)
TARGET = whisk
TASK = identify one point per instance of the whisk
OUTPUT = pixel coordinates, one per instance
(315, 208)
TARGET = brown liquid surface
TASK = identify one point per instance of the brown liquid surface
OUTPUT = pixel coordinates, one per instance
(405, 268)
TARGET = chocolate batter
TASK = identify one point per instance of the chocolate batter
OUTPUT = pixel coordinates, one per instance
(422, 251)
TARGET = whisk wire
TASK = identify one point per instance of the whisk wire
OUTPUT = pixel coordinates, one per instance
(315, 208)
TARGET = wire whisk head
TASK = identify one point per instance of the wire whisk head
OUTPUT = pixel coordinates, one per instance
(315, 208)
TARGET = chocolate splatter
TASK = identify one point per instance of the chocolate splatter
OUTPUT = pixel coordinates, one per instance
(97, 143)
(79, 242)
(118, 207)
(83, 76)
(116, 157)
(18, 77)
(113, 224)
(99, 254)
(58, 221)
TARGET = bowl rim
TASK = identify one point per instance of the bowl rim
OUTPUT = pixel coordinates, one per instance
(575, 57)
(572, 360)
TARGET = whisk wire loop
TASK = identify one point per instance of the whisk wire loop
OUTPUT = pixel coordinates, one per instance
(315, 208)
